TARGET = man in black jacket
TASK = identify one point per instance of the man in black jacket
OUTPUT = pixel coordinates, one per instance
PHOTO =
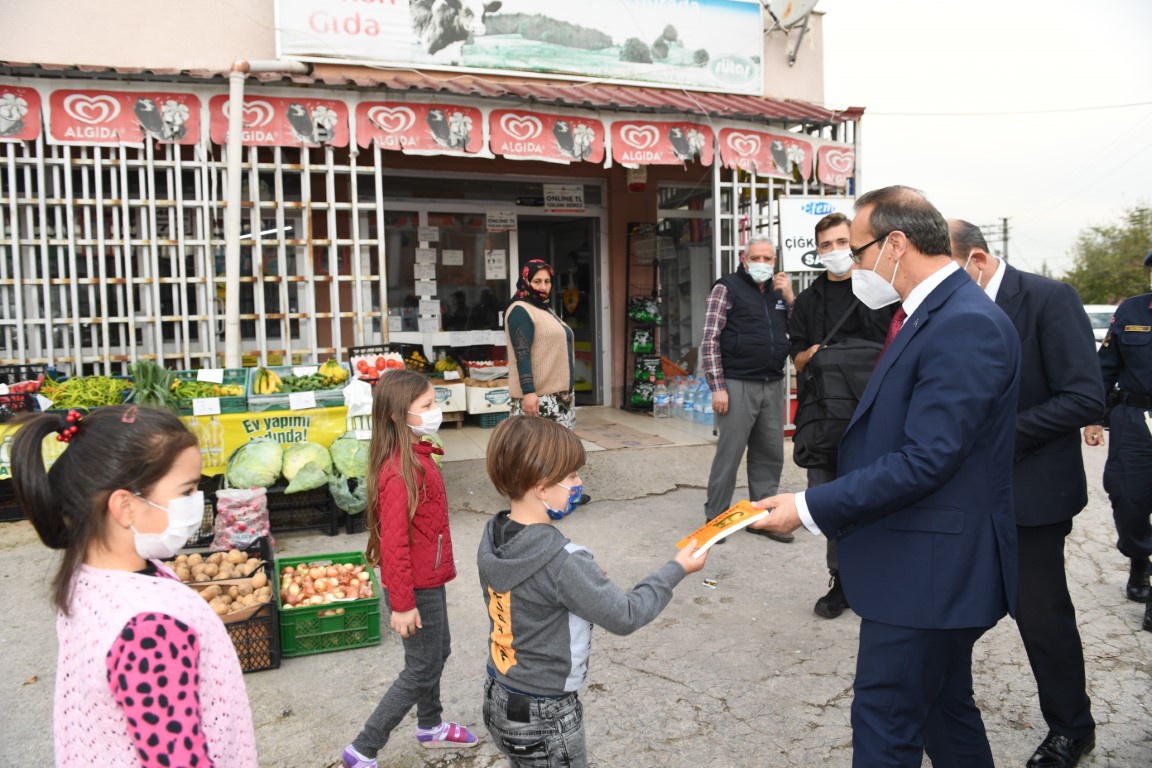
(817, 310)
(1060, 392)
(744, 347)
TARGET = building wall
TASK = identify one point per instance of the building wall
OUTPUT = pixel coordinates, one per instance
(805, 79)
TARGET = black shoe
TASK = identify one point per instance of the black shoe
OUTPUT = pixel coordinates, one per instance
(1148, 615)
(1137, 589)
(584, 499)
(832, 604)
(783, 538)
(1058, 751)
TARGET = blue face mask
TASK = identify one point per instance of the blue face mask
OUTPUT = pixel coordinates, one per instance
(574, 494)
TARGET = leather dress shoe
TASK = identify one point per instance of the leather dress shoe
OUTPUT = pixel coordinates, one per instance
(1059, 751)
(783, 538)
(1137, 589)
(584, 499)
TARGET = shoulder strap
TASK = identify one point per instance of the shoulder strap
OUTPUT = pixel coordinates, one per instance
(840, 322)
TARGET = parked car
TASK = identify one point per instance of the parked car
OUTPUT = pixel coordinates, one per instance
(1100, 315)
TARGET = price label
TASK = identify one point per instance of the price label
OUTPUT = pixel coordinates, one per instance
(301, 401)
(205, 406)
(304, 370)
(44, 402)
(451, 375)
(210, 375)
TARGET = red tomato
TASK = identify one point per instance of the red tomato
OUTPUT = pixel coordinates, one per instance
(363, 367)
(381, 364)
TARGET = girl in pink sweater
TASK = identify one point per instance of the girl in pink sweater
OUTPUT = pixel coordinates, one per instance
(146, 674)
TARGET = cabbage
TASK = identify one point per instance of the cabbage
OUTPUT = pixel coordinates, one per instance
(350, 494)
(254, 464)
(296, 456)
(308, 477)
(350, 456)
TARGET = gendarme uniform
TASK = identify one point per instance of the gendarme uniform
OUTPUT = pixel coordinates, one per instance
(1126, 362)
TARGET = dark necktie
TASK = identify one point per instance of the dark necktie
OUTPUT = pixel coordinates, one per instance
(893, 329)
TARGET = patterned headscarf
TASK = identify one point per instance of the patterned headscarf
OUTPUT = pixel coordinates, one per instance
(524, 289)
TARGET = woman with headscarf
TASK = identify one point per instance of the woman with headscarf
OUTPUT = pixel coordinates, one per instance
(540, 354)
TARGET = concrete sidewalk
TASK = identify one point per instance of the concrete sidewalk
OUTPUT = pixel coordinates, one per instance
(740, 675)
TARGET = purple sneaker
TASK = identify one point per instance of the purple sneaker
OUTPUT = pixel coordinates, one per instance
(446, 736)
(353, 759)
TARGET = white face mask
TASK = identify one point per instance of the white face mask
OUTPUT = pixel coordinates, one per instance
(979, 276)
(430, 421)
(760, 272)
(185, 514)
(837, 262)
(874, 291)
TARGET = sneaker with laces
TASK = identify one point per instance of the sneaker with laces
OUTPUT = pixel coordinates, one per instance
(353, 759)
(446, 736)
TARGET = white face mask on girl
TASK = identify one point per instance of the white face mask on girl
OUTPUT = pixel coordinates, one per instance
(185, 514)
(874, 291)
(430, 421)
(837, 262)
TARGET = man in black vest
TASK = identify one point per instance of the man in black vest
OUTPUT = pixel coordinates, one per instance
(744, 349)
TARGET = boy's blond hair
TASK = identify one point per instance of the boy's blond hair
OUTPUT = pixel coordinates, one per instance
(526, 451)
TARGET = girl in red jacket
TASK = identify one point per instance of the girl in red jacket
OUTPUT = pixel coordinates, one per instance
(408, 538)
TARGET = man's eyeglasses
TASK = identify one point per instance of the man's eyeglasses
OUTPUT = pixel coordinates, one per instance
(856, 253)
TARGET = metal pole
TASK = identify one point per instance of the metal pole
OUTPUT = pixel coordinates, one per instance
(232, 214)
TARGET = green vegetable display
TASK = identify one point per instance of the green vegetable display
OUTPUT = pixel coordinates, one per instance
(350, 456)
(151, 385)
(308, 477)
(298, 455)
(85, 391)
(256, 463)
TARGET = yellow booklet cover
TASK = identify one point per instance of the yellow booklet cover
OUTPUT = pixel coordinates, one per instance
(731, 520)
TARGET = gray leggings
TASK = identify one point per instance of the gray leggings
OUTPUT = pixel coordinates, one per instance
(419, 682)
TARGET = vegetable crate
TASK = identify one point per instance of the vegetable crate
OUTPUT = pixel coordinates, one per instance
(13, 402)
(229, 403)
(302, 511)
(412, 355)
(204, 535)
(333, 626)
(325, 398)
(490, 420)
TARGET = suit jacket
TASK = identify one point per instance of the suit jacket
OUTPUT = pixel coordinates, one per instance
(923, 505)
(1060, 392)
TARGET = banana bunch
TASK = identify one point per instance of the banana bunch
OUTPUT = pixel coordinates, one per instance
(334, 372)
(194, 389)
(446, 364)
(267, 382)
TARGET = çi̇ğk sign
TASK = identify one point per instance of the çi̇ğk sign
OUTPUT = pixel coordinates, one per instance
(714, 45)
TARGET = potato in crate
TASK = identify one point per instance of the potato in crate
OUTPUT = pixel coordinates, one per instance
(328, 603)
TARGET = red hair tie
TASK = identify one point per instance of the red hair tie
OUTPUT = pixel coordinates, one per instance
(73, 418)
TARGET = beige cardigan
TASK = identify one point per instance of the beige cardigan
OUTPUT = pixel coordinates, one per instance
(551, 354)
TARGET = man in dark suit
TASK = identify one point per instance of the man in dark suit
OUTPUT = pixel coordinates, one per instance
(1060, 392)
(922, 508)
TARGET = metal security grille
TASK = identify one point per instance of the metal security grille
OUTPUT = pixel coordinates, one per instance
(111, 254)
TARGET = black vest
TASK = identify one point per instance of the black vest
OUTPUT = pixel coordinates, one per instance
(754, 342)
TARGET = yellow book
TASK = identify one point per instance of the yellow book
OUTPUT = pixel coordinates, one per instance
(728, 522)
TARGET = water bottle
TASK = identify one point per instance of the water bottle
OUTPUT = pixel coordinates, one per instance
(707, 417)
(196, 428)
(689, 395)
(676, 392)
(661, 402)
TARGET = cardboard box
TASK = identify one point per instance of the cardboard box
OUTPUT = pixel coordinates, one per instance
(450, 396)
(489, 399)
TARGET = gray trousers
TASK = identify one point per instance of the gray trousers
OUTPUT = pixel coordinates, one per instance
(419, 682)
(819, 476)
(755, 421)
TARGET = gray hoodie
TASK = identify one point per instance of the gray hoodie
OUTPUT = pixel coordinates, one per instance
(544, 594)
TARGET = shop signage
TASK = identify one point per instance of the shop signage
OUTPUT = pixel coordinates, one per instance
(278, 122)
(713, 45)
(835, 165)
(525, 135)
(798, 217)
(19, 113)
(118, 117)
(766, 154)
(659, 143)
(564, 198)
(424, 129)
(500, 221)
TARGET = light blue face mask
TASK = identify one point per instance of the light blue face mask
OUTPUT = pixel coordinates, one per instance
(574, 494)
(760, 272)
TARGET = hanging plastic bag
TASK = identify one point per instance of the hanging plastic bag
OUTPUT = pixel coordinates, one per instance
(241, 517)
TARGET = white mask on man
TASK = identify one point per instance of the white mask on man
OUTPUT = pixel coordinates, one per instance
(837, 262)
(759, 271)
(874, 291)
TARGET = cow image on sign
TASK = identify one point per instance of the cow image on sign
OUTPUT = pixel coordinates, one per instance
(443, 26)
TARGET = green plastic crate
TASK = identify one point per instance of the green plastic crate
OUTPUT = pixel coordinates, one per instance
(228, 404)
(304, 632)
(325, 398)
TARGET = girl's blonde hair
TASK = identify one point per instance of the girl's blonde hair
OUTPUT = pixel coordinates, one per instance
(526, 451)
(391, 442)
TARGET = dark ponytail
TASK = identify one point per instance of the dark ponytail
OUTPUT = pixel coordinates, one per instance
(114, 448)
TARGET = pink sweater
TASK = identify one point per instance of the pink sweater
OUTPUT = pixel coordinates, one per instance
(100, 697)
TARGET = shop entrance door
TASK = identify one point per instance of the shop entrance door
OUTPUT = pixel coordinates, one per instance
(570, 245)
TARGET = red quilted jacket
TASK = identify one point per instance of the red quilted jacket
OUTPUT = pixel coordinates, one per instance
(417, 556)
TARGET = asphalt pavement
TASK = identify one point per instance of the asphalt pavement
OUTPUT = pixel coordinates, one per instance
(741, 674)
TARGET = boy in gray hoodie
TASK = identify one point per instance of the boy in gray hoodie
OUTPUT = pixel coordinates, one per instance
(544, 594)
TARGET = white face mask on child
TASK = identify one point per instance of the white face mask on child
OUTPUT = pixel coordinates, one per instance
(185, 514)
(430, 421)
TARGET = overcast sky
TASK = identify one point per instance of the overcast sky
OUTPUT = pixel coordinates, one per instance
(1002, 108)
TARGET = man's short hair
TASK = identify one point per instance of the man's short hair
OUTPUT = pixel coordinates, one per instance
(908, 210)
(756, 239)
(831, 220)
(966, 236)
(526, 451)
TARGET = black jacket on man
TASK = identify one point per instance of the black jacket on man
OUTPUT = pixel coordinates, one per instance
(754, 340)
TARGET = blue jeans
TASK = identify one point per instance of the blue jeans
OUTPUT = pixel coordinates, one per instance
(553, 737)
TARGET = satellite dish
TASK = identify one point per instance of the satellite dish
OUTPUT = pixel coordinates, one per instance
(789, 13)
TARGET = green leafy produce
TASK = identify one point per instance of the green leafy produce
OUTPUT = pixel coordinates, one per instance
(350, 456)
(308, 477)
(350, 494)
(256, 463)
(299, 454)
(151, 385)
(85, 391)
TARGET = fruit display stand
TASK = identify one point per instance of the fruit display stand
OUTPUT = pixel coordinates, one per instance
(336, 626)
(284, 401)
(224, 377)
(452, 398)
